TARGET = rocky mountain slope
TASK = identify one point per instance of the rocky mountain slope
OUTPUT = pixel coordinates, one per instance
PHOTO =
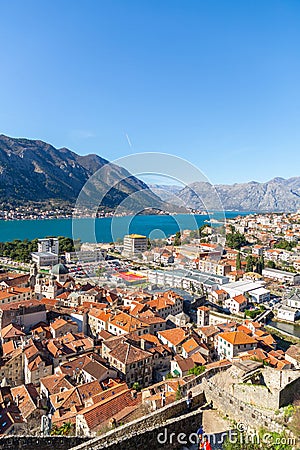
(34, 171)
(274, 195)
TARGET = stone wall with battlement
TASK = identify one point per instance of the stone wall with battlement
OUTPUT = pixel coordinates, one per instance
(139, 433)
(175, 433)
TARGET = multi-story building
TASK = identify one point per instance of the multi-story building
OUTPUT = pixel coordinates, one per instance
(11, 368)
(281, 275)
(48, 245)
(166, 303)
(202, 316)
(47, 254)
(26, 313)
(133, 364)
(236, 304)
(186, 279)
(232, 343)
(134, 244)
(115, 322)
(215, 267)
(15, 294)
(37, 363)
(173, 338)
(60, 327)
(86, 255)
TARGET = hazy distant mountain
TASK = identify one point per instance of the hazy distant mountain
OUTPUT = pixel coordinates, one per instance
(32, 170)
(166, 192)
(274, 195)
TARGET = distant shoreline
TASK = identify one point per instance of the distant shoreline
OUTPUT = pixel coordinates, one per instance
(111, 215)
(104, 229)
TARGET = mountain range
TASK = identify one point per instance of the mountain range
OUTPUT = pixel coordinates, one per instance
(275, 195)
(35, 171)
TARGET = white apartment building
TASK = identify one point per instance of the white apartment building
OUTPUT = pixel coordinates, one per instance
(281, 275)
(232, 343)
(47, 254)
(48, 245)
(134, 244)
(44, 259)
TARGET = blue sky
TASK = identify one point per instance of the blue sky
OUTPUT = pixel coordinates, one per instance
(216, 82)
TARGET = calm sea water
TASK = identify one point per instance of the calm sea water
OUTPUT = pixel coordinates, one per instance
(105, 229)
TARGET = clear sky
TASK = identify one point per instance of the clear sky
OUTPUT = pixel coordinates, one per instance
(216, 82)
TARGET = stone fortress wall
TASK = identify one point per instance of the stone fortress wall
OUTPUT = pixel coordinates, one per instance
(142, 433)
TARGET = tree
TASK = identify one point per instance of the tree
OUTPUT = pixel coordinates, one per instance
(250, 263)
(285, 245)
(238, 261)
(178, 395)
(177, 240)
(136, 386)
(252, 313)
(19, 250)
(65, 244)
(260, 265)
(196, 370)
(235, 240)
(99, 271)
(271, 265)
(66, 429)
(169, 376)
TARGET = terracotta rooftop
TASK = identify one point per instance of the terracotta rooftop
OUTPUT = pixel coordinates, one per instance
(294, 352)
(12, 331)
(240, 299)
(55, 383)
(26, 398)
(190, 345)
(175, 336)
(8, 348)
(127, 353)
(209, 330)
(98, 414)
(203, 308)
(59, 323)
(96, 370)
(74, 366)
(185, 364)
(237, 338)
